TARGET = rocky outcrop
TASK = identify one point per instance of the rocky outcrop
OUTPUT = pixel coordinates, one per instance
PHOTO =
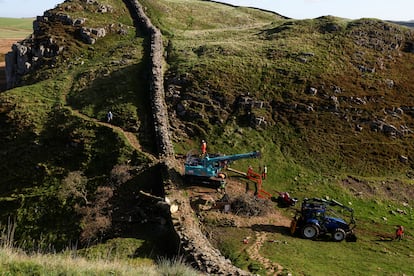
(194, 243)
(43, 48)
(28, 55)
(89, 35)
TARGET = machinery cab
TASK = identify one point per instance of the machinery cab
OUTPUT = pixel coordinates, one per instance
(208, 168)
(197, 166)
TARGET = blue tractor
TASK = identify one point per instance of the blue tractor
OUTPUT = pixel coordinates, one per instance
(315, 219)
(208, 169)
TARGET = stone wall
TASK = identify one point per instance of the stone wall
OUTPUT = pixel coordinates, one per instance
(29, 53)
(194, 244)
(160, 115)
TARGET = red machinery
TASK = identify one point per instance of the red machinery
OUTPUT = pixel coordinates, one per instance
(284, 199)
(257, 178)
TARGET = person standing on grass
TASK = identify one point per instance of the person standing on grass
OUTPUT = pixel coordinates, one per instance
(399, 233)
(264, 172)
(203, 147)
(109, 116)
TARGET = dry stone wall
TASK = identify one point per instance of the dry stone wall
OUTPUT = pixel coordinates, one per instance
(160, 115)
(194, 243)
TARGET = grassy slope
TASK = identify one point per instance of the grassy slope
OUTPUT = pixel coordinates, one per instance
(308, 153)
(44, 138)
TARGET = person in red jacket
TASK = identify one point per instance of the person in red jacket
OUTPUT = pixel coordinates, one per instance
(399, 233)
(203, 147)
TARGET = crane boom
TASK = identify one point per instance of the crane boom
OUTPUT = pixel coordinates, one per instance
(211, 166)
(210, 160)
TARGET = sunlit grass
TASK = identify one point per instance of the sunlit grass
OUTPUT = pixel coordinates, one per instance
(18, 28)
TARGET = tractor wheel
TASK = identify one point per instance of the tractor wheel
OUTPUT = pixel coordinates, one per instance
(310, 231)
(339, 235)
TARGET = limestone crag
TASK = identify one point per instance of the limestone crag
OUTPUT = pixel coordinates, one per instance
(42, 48)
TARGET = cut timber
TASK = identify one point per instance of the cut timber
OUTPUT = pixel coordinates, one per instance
(157, 198)
(162, 203)
(236, 171)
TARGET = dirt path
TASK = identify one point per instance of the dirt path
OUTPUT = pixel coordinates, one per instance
(129, 136)
(254, 253)
(262, 226)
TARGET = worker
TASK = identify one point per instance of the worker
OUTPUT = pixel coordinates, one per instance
(249, 171)
(264, 172)
(222, 188)
(109, 116)
(203, 147)
(399, 233)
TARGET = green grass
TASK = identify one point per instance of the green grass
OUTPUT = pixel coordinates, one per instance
(321, 258)
(14, 262)
(278, 63)
(17, 28)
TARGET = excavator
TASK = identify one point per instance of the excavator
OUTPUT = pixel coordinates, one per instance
(283, 199)
(208, 169)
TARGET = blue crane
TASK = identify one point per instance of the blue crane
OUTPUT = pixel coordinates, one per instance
(209, 168)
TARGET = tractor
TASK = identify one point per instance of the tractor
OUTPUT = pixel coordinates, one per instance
(315, 219)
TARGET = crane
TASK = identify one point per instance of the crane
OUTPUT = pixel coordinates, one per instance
(208, 169)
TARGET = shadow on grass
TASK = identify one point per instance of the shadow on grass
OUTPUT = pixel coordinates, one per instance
(286, 232)
(271, 229)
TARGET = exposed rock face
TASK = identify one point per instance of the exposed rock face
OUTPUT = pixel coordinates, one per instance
(89, 35)
(33, 52)
(30, 54)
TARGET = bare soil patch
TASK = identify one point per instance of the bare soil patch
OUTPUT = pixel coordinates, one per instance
(203, 198)
(217, 222)
(5, 46)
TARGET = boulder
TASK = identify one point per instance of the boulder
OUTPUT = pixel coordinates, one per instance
(89, 35)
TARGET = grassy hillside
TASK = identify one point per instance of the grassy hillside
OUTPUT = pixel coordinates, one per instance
(279, 61)
(328, 102)
(53, 133)
(328, 87)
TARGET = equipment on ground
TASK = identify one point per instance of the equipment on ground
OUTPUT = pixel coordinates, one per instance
(285, 200)
(208, 169)
(257, 179)
(314, 220)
